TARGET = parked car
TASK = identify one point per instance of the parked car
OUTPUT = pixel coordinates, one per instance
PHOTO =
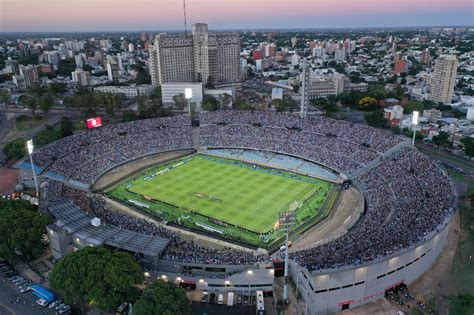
(41, 302)
(239, 299)
(122, 307)
(204, 297)
(24, 289)
(220, 299)
(212, 298)
(60, 306)
(55, 303)
(64, 309)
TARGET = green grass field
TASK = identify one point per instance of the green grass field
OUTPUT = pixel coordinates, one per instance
(237, 195)
(200, 189)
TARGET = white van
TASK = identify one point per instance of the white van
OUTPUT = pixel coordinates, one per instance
(230, 299)
(220, 299)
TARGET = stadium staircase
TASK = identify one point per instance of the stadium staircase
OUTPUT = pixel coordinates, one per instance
(196, 138)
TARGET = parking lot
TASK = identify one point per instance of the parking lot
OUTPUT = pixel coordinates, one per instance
(12, 301)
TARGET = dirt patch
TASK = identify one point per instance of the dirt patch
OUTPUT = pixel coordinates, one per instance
(8, 180)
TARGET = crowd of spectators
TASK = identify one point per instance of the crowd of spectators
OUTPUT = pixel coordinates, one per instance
(336, 144)
(408, 197)
(179, 249)
(86, 156)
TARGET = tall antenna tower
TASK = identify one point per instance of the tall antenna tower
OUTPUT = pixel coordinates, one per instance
(184, 12)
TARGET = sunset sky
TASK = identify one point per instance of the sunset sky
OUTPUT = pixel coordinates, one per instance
(136, 15)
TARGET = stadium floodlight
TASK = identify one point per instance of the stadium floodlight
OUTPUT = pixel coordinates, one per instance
(29, 149)
(286, 220)
(188, 94)
(414, 121)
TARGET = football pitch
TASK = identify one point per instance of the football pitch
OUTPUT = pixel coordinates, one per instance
(221, 195)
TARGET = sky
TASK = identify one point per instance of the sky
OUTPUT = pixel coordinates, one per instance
(137, 15)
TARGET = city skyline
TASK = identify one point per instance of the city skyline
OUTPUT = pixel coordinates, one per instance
(121, 15)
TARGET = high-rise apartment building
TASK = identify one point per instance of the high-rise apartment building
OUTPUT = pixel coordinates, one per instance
(113, 70)
(29, 74)
(425, 56)
(443, 79)
(198, 57)
(340, 55)
(83, 78)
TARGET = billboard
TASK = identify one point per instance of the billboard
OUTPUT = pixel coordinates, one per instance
(94, 122)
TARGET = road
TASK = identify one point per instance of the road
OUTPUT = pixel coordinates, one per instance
(449, 158)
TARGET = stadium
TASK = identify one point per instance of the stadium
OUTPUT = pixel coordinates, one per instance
(371, 212)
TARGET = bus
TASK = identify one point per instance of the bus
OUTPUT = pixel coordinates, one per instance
(260, 303)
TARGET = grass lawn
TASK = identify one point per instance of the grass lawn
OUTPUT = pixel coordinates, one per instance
(235, 194)
(24, 123)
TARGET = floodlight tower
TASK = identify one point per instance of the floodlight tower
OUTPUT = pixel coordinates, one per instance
(29, 148)
(286, 220)
(415, 123)
(188, 94)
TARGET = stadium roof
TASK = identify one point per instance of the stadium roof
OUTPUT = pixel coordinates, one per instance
(76, 222)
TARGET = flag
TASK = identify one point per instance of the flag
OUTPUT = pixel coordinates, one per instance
(94, 122)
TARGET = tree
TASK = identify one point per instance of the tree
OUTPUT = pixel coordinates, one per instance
(367, 102)
(47, 135)
(57, 88)
(210, 103)
(21, 228)
(413, 106)
(128, 115)
(180, 101)
(46, 102)
(156, 92)
(66, 127)
(441, 138)
(5, 97)
(162, 298)
(98, 277)
(15, 149)
(30, 102)
(468, 146)
(376, 119)
(225, 99)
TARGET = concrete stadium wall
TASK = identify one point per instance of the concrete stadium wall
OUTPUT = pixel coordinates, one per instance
(327, 291)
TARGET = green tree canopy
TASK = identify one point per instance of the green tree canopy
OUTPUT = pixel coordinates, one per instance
(468, 146)
(31, 102)
(46, 102)
(413, 106)
(5, 97)
(164, 298)
(376, 119)
(66, 127)
(15, 149)
(210, 103)
(441, 138)
(180, 101)
(21, 228)
(98, 277)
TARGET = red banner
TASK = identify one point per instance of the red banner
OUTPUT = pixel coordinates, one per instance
(94, 122)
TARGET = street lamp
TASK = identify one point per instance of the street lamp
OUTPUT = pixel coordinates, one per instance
(29, 148)
(415, 123)
(188, 94)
